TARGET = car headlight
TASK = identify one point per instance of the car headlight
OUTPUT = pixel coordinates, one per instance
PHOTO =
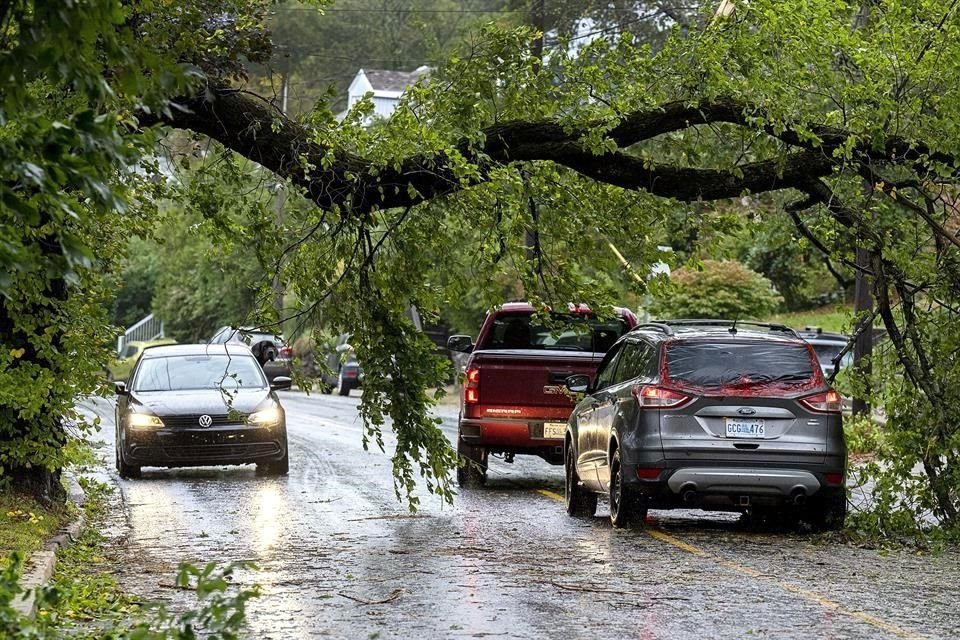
(265, 417)
(144, 421)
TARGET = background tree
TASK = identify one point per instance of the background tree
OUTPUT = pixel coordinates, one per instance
(717, 289)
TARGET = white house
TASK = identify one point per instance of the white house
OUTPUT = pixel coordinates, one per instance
(385, 86)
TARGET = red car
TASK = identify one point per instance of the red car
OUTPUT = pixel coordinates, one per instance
(514, 399)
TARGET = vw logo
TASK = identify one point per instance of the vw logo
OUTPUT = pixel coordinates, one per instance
(746, 411)
(205, 421)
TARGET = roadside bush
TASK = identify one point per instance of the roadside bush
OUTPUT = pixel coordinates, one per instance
(218, 616)
(718, 289)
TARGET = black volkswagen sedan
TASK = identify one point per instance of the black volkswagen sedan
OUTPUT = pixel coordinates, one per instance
(195, 405)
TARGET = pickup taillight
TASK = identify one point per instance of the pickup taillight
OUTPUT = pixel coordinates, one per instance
(471, 385)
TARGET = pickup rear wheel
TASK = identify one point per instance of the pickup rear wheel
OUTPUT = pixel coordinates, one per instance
(580, 501)
(473, 472)
(625, 509)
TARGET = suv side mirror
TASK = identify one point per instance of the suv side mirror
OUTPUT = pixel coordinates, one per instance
(281, 383)
(463, 344)
(578, 383)
(120, 387)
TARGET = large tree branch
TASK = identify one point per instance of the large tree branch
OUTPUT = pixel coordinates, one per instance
(337, 179)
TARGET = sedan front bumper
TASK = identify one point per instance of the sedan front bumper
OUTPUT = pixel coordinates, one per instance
(238, 444)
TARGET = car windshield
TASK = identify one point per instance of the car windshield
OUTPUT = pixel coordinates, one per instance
(254, 337)
(569, 333)
(179, 373)
(716, 365)
(826, 352)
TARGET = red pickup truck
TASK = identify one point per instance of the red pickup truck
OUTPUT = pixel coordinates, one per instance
(513, 398)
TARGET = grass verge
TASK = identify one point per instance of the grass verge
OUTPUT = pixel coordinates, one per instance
(835, 318)
(25, 524)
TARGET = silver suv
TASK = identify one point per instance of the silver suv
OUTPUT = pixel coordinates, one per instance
(709, 414)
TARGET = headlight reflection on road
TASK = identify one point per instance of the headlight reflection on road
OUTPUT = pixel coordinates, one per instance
(266, 522)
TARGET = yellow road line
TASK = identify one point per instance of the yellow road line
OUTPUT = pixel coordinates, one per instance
(551, 495)
(824, 602)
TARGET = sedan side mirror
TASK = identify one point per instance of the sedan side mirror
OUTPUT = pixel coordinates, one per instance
(578, 383)
(121, 388)
(281, 383)
(462, 344)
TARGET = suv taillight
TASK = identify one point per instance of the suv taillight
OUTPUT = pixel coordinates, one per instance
(286, 352)
(825, 402)
(471, 386)
(657, 397)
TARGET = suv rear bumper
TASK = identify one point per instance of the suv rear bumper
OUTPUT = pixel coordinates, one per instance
(783, 482)
(732, 485)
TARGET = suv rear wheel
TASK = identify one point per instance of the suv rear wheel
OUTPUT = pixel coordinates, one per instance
(473, 473)
(828, 513)
(580, 501)
(625, 509)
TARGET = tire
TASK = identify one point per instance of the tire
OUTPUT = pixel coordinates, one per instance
(343, 387)
(580, 501)
(126, 471)
(473, 472)
(279, 467)
(829, 513)
(625, 510)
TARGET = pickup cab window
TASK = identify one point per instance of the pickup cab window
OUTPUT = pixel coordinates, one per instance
(566, 333)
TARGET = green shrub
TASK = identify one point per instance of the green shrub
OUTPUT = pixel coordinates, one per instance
(718, 289)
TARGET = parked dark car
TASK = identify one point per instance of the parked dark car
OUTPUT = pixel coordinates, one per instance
(343, 372)
(708, 414)
(270, 349)
(196, 405)
(828, 346)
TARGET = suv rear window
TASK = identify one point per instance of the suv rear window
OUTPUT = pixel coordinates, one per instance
(570, 333)
(715, 365)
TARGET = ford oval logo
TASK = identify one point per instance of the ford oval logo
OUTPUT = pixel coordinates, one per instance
(746, 411)
(205, 421)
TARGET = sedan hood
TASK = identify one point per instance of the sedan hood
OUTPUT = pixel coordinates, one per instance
(194, 401)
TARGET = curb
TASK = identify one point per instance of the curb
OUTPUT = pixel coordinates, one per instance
(44, 560)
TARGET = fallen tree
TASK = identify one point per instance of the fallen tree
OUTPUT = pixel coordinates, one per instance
(797, 105)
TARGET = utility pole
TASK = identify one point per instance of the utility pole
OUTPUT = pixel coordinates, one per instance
(279, 200)
(538, 19)
(863, 347)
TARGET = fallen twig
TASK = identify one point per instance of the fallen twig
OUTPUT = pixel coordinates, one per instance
(396, 593)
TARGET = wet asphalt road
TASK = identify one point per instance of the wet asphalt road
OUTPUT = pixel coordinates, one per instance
(339, 557)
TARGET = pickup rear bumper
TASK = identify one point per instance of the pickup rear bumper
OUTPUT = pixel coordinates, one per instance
(505, 435)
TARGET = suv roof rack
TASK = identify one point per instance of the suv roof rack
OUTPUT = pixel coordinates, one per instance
(657, 326)
(667, 325)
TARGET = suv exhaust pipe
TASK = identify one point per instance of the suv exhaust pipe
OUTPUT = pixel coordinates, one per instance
(689, 493)
(798, 496)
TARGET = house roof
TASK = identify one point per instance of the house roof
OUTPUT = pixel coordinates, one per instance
(390, 80)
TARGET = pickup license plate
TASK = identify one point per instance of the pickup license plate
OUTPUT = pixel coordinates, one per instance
(745, 428)
(554, 430)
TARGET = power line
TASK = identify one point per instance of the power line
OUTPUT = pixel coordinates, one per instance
(320, 12)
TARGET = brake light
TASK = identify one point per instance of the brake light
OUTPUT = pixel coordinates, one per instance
(286, 352)
(835, 479)
(826, 402)
(658, 397)
(471, 386)
(648, 473)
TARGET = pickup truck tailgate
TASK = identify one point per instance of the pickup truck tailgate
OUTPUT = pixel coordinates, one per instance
(527, 384)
